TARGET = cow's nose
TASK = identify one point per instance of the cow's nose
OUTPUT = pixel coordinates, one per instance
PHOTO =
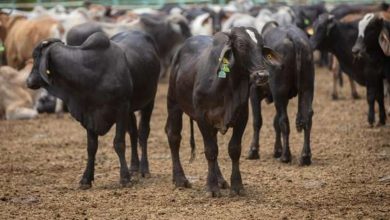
(261, 77)
(355, 50)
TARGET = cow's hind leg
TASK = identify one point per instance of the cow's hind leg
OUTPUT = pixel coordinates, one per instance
(257, 122)
(144, 130)
(281, 109)
(278, 136)
(88, 176)
(235, 153)
(133, 131)
(354, 92)
(304, 121)
(173, 129)
(211, 151)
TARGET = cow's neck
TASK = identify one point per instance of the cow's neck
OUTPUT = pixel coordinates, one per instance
(341, 47)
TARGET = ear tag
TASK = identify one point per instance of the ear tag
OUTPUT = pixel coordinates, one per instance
(221, 74)
(48, 72)
(306, 21)
(2, 48)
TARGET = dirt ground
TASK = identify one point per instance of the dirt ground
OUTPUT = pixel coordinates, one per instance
(41, 162)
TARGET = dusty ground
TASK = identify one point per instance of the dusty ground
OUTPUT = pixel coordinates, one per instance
(41, 162)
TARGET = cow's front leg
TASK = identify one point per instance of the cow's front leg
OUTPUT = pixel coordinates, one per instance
(380, 98)
(211, 151)
(371, 105)
(133, 131)
(120, 143)
(257, 122)
(237, 187)
(88, 176)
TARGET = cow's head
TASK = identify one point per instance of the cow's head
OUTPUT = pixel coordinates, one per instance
(217, 15)
(40, 73)
(244, 48)
(322, 28)
(371, 32)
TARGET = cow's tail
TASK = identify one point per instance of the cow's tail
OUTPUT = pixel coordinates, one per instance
(298, 61)
(192, 140)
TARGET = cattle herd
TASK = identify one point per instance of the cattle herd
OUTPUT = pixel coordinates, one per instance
(104, 64)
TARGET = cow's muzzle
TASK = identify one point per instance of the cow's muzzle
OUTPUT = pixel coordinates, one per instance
(358, 49)
(260, 77)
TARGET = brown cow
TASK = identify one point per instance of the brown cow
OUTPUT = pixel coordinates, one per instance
(16, 100)
(20, 35)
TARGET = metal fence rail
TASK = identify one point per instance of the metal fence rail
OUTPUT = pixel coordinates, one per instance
(28, 4)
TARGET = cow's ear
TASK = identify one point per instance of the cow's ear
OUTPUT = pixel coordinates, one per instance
(271, 57)
(331, 24)
(43, 60)
(384, 41)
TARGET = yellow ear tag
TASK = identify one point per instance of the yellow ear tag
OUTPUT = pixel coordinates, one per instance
(269, 57)
(47, 72)
(225, 61)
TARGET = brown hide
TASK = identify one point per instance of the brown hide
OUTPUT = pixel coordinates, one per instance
(16, 100)
(22, 35)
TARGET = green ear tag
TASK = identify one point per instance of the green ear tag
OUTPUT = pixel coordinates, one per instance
(306, 21)
(225, 68)
(1, 48)
(221, 74)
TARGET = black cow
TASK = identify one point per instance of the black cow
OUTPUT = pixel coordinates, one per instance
(210, 83)
(338, 38)
(373, 45)
(294, 77)
(102, 82)
(169, 33)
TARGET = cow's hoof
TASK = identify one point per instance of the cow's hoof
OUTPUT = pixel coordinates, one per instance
(277, 153)
(305, 160)
(380, 124)
(182, 183)
(285, 158)
(335, 97)
(85, 186)
(223, 184)
(125, 182)
(215, 193)
(145, 174)
(253, 155)
(237, 191)
(356, 96)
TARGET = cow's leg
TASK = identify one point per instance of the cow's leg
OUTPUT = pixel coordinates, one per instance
(120, 143)
(88, 176)
(278, 140)
(221, 181)
(335, 72)
(381, 103)
(354, 92)
(211, 151)
(235, 152)
(281, 108)
(304, 121)
(133, 131)
(173, 130)
(371, 104)
(257, 122)
(144, 130)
